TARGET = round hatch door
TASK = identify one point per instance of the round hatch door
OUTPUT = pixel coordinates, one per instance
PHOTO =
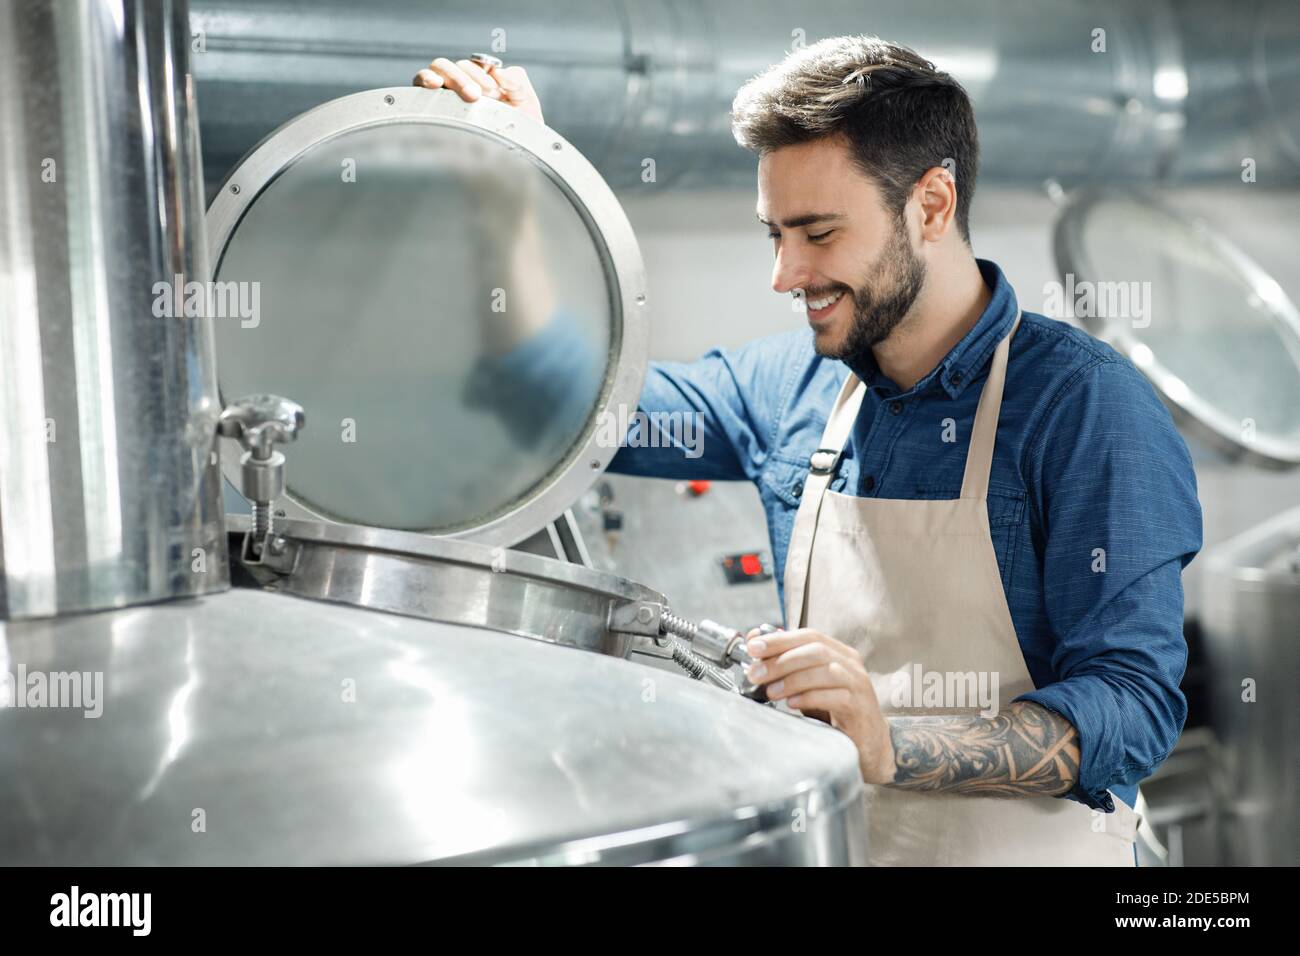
(1214, 333)
(453, 295)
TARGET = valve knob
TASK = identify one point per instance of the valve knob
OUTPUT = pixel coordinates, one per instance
(259, 423)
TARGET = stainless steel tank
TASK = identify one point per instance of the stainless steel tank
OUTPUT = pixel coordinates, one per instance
(1252, 635)
(256, 728)
(110, 492)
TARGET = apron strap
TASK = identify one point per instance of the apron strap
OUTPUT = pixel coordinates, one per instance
(822, 465)
(984, 433)
(825, 460)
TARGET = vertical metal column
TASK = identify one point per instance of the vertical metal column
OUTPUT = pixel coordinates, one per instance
(109, 488)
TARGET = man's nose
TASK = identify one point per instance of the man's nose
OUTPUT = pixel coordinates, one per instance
(789, 272)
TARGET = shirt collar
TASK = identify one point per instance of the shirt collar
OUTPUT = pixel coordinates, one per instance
(969, 356)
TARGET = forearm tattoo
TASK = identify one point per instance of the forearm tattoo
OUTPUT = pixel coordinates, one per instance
(1025, 751)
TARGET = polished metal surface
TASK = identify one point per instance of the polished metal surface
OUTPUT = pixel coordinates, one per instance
(1251, 623)
(499, 245)
(109, 487)
(256, 728)
(1235, 384)
(454, 581)
(1183, 90)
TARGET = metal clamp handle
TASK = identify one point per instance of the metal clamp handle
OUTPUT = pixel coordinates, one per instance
(259, 423)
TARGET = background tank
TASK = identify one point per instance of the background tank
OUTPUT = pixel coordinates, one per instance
(1252, 626)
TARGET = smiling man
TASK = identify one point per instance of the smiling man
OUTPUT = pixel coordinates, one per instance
(959, 494)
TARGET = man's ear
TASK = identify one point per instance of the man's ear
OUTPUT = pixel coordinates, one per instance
(936, 193)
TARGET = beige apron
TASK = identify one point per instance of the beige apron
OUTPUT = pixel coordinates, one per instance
(917, 583)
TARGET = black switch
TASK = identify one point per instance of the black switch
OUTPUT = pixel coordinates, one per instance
(746, 566)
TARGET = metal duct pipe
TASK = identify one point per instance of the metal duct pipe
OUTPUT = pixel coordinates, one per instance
(1243, 79)
(626, 81)
(109, 486)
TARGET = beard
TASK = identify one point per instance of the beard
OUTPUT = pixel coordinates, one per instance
(899, 278)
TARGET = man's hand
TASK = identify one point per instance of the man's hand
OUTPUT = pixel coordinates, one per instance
(1026, 751)
(822, 678)
(470, 80)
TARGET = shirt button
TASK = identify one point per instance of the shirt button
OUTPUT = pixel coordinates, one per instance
(895, 407)
(956, 378)
(869, 483)
(797, 490)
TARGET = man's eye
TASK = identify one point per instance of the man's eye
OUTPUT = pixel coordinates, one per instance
(774, 235)
(821, 236)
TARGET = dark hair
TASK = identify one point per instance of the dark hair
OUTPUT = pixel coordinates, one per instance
(900, 115)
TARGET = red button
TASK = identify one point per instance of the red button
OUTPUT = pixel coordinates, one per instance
(697, 488)
(750, 564)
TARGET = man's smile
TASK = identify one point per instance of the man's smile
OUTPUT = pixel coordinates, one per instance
(822, 306)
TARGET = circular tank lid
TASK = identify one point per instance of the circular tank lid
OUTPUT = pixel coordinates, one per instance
(459, 745)
(454, 296)
(1214, 333)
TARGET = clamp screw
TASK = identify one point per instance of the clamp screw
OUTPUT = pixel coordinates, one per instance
(259, 423)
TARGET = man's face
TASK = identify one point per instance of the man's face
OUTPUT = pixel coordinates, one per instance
(835, 240)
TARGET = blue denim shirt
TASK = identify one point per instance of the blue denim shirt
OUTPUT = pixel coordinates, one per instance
(1088, 468)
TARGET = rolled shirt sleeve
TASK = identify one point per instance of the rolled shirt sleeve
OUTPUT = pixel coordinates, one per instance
(730, 399)
(1118, 521)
